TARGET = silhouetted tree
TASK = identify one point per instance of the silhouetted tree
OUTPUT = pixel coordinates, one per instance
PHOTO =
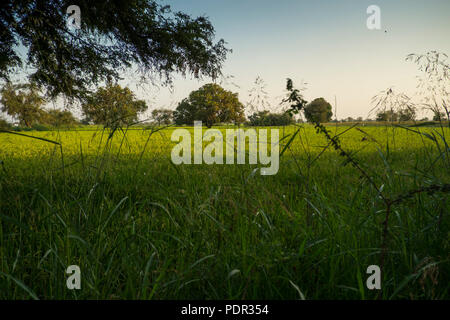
(113, 36)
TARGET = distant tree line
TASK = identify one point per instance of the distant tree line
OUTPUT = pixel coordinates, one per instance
(162, 116)
(212, 104)
(114, 106)
(266, 118)
(25, 103)
(147, 36)
(110, 106)
(408, 114)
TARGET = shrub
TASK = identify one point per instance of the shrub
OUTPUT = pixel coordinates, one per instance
(5, 125)
(39, 127)
(265, 118)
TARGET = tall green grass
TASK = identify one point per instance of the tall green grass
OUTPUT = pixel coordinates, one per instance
(140, 227)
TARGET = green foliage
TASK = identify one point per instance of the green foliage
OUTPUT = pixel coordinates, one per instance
(43, 121)
(162, 116)
(266, 118)
(113, 106)
(438, 116)
(23, 102)
(114, 35)
(295, 99)
(39, 127)
(161, 231)
(387, 115)
(318, 110)
(210, 104)
(407, 115)
(5, 125)
(58, 118)
(392, 116)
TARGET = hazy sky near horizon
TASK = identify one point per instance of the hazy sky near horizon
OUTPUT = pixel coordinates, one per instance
(325, 43)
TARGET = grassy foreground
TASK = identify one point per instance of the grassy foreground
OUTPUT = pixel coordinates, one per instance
(140, 227)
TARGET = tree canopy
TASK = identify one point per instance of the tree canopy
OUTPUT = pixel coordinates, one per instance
(266, 118)
(407, 114)
(113, 36)
(318, 110)
(162, 116)
(113, 106)
(58, 118)
(25, 103)
(210, 104)
(22, 101)
(438, 116)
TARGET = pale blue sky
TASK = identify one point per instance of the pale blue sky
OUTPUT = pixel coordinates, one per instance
(324, 42)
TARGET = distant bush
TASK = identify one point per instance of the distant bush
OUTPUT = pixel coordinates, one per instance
(39, 127)
(318, 110)
(34, 127)
(402, 115)
(438, 116)
(266, 118)
(5, 125)
(162, 116)
(57, 118)
(20, 128)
